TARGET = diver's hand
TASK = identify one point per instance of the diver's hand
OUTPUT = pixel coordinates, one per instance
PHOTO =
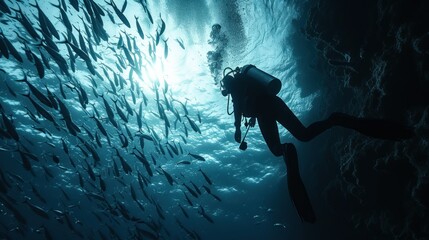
(237, 135)
(252, 122)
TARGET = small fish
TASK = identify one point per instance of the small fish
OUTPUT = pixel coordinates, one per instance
(36, 209)
(128, 56)
(27, 24)
(72, 162)
(279, 225)
(52, 98)
(83, 151)
(144, 161)
(64, 17)
(198, 157)
(97, 139)
(133, 193)
(82, 43)
(11, 91)
(157, 37)
(180, 42)
(37, 193)
(173, 148)
(39, 65)
(90, 172)
(56, 159)
(199, 116)
(129, 46)
(25, 161)
(124, 6)
(193, 125)
(65, 194)
(61, 62)
(32, 116)
(81, 182)
(44, 20)
(140, 180)
(153, 159)
(115, 169)
(120, 112)
(196, 188)
(11, 130)
(205, 177)
(11, 48)
(124, 140)
(119, 13)
(102, 184)
(165, 49)
(100, 126)
(45, 60)
(204, 214)
(183, 211)
(127, 169)
(75, 4)
(188, 200)
(139, 29)
(183, 162)
(77, 50)
(88, 132)
(112, 19)
(109, 112)
(162, 26)
(185, 130)
(41, 110)
(71, 126)
(120, 41)
(3, 49)
(4, 8)
(190, 190)
(4, 184)
(149, 15)
(39, 95)
(207, 189)
(168, 176)
(216, 197)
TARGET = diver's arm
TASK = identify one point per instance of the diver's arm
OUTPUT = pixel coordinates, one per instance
(237, 122)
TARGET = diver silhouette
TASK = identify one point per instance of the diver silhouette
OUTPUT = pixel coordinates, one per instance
(253, 95)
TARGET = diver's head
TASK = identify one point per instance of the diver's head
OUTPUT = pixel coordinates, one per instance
(216, 27)
(225, 83)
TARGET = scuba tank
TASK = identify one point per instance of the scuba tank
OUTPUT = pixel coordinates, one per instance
(260, 82)
(257, 81)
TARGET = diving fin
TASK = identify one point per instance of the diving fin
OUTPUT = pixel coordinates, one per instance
(376, 128)
(300, 199)
(297, 191)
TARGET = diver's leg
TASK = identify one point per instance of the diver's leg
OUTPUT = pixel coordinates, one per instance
(297, 192)
(296, 187)
(287, 118)
(376, 128)
(270, 132)
(268, 126)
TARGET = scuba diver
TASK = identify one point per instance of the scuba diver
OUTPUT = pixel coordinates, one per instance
(253, 95)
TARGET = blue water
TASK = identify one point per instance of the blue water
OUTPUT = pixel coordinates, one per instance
(364, 58)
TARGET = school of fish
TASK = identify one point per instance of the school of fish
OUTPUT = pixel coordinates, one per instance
(75, 102)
